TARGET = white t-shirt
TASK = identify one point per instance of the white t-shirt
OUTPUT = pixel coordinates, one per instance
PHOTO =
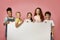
(37, 19)
(50, 21)
(9, 19)
(27, 20)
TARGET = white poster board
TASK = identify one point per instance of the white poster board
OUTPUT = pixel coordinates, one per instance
(28, 31)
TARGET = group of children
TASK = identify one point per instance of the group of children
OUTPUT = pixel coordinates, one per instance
(38, 17)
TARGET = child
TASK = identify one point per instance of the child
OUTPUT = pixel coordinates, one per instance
(29, 17)
(38, 16)
(47, 19)
(18, 20)
(8, 19)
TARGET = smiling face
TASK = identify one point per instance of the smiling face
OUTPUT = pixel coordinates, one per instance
(37, 11)
(9, 13)
(47, 16)
(29, 16)
(18, 15)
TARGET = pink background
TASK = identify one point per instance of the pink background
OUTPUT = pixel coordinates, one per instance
(25, 6)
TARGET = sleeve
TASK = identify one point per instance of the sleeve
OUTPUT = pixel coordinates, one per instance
(5, 20)
(16, 20)
(34, 17)
(52, 23)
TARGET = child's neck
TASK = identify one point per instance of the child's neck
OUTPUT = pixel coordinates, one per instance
(10, 16)
(47, 19)
(37, 15)
(19, 18)
(28, 18)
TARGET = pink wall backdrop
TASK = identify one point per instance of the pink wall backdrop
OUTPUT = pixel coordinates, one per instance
(25, 6)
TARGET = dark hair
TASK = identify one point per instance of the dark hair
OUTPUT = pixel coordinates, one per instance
(31, 15)
(40, 13)
(48, 13)
(9, 9)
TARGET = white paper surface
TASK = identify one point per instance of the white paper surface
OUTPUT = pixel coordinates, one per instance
(28, 31)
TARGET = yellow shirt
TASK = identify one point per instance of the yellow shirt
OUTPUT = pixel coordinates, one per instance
(17, 20)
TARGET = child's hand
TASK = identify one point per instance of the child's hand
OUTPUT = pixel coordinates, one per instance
(52, 33)
(7, 22)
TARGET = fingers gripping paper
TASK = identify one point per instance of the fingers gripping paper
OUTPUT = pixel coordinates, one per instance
(28, 31)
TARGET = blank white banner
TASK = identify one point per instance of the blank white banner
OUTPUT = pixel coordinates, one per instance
(29, 31)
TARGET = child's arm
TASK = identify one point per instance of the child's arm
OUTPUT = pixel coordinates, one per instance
(18, 24)
(6, 21)
(52, 28)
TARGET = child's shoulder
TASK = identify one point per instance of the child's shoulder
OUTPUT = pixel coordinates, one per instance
(51, 20)
(48, 20)
(6, 17)
(16, 19)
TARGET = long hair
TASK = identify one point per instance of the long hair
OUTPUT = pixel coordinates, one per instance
(40, 13)
(31, 16)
